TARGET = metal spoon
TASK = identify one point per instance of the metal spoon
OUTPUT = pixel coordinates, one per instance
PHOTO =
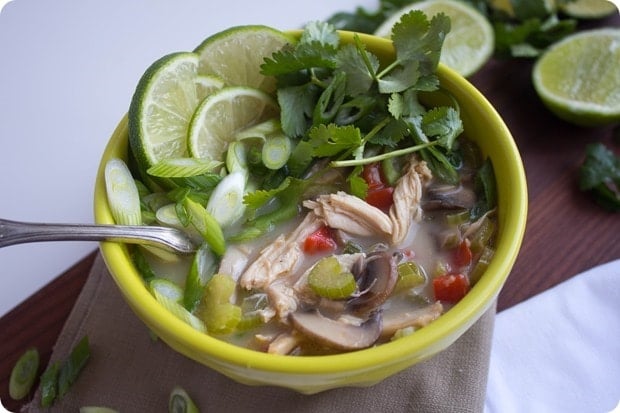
(14, 232)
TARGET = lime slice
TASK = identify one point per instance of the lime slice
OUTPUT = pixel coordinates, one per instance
(588, 9)
(207, 84)
(469, 44)
(524, 9)
(224, 113)
(162, 107)
(578, 78)
(236, 54)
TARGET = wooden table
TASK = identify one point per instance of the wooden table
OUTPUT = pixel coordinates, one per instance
(566, 232)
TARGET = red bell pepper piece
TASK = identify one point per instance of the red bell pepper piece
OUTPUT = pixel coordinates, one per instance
(463, 254)
(450, 287)
(379, 194)
(319, 241)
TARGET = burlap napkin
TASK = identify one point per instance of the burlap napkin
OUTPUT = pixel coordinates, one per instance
(131, 372)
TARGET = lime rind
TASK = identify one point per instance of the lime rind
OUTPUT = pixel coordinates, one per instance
(470, 42)
(582, 94)
(236, 54)
(161, 108)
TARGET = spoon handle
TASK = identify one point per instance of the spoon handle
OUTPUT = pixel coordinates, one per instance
(15, 232)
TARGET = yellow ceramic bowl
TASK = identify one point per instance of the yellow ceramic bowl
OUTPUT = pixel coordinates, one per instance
(311, 374)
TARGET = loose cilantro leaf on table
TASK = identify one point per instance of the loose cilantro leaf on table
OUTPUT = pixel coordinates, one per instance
(600, 175)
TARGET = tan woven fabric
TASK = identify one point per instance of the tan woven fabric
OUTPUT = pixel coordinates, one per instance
(130, 372)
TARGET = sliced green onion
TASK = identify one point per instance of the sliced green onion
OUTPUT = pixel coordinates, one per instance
(180, 312)
(24, 374)
(122, 192)
(236, 158)
(49, 384)
(182, 167)
(482, 265)
(483, 235)
(206, 225)
(328, 280)
(226, 202)
(167, 288)
(73, 366)
(260, 131)
(180, 402)
(97, 409)
(276, 151)
(202, 269)
(410, 275)
(457, 218)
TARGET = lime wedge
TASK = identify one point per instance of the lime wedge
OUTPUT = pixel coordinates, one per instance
(236, 54)
(223, 114)
(578, 78)
(161, 108)
(588, 9)
(469, 44)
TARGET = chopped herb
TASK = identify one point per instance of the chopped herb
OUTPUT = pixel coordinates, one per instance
(600, 175)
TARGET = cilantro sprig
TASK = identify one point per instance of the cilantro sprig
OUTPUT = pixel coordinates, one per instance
(343, 108)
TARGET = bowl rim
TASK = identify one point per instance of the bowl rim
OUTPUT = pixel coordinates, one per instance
(460, 317)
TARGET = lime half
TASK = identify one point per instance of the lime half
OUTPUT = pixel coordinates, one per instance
(578, 78)
(470, 42)
(236, 54)
(161, 108)
(223, 114)
(588, 9)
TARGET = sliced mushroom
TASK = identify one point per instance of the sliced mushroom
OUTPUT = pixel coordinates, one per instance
(335, 334)
(449, 197)
(376, 282)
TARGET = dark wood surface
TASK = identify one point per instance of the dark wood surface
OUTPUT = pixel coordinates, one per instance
(566, 232)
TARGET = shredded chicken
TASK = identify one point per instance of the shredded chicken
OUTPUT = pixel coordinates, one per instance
(282, 299)
(279, 258)
(350, 214)
(407, 195)
(284, 343)
(392, 322)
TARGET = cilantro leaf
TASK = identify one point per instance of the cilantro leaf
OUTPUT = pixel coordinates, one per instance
(330, 140)
(400, 79)
(299, 57)
(297, 105)
(600, 174)
(351, 62)
(444, 123)
(322, 32)
(330, 100)
(417, 39)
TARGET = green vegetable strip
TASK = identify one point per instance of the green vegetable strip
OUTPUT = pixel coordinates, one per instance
(73, 366)
(182, 167)
(49, 384)
(206, 225)
(24, 374)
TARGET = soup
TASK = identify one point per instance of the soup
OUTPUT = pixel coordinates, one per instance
(343, 217)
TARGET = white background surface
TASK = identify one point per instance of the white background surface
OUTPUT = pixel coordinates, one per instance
(68, 69)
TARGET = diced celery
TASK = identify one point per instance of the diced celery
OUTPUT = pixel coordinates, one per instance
(483, 235)
(328, 280)
(457, 218)
(410, 275)
(482, 265)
